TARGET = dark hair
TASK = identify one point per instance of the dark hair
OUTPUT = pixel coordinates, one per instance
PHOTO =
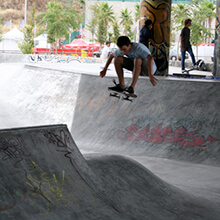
(148, 22)
(107, 42)
(187, 21)
(123, 40)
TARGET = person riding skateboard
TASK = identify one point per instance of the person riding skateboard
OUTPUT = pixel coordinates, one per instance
(135, 57)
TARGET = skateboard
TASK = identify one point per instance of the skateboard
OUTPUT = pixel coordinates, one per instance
(123, 96)
(187, 74)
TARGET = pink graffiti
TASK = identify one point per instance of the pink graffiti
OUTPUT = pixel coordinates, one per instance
(160, 135)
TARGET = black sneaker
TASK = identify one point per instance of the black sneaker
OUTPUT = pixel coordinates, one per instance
(117, 88)
(129, 90)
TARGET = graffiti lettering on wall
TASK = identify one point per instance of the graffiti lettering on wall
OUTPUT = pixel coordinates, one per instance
(52, 190)
(61, 59)
(159, 13)
(13, 148)
(159, 135)
(43, 188)
(61, 139)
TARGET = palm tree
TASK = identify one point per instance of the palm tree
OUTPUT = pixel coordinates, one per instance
(108, 13)
(92, 27)
(116, 30)
(59, 21)
(179, 14)
(102, 16)
(137, 11)
(206, 9)
(126, 20)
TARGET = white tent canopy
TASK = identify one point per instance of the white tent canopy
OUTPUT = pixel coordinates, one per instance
(11, 40)
(14, 34)
(41, 41)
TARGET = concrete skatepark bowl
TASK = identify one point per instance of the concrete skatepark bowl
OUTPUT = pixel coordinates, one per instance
(155, 158)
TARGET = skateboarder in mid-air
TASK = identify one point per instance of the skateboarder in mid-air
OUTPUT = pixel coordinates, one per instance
(132, 56)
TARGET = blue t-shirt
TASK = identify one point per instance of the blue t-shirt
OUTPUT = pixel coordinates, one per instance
(137, 50)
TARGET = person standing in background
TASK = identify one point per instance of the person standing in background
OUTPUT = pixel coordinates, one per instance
(185, 45)
(146, 34)
(106, 51)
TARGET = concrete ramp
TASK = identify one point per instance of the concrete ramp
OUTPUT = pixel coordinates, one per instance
(33, 96)
(44, 176)
(178, 119)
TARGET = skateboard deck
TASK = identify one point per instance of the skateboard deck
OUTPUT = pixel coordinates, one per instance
(123, 96)
(187, 74)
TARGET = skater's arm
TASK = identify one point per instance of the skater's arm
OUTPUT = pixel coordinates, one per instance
(150, 70)
(181, 43)
(152, 42)
(104, 71)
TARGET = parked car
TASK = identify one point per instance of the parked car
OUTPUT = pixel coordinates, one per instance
(173, 54)
(97, 53)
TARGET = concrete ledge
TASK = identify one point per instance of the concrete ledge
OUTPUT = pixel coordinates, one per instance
(14, 58)
(26, 58)
(34, 58)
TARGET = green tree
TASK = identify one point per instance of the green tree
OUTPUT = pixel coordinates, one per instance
(137, 11)
(27, 44)
(116, 30)
(179, 14)
(58, 21)
(131, 34)
(92, 25)
(126, 21)
(101, 32)
(102, 17)
(1, 23)
(206, 10)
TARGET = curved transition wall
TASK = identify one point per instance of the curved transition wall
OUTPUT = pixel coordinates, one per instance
(43, 175)
(177, 119)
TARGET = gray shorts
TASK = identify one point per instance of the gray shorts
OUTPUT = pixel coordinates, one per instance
(129, 65)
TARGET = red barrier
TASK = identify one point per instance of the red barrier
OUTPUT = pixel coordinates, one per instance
(68, 52)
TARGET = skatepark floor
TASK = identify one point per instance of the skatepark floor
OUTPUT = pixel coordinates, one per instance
(200, 180)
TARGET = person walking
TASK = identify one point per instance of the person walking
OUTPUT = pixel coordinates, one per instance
(185, 45)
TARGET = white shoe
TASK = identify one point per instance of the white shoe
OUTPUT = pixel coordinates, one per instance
(195, 67)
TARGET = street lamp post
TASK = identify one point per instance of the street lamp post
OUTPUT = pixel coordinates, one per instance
(25, 13)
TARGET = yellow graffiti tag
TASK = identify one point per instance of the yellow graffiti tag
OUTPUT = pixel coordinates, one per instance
(48, 190)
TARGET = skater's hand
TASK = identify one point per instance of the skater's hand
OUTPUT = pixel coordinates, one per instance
(153, 80)
(103, 73)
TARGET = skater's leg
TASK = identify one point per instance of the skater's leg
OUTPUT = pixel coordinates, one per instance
(136, 71)
(183, 54)
(118, 62)
(192, 55)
